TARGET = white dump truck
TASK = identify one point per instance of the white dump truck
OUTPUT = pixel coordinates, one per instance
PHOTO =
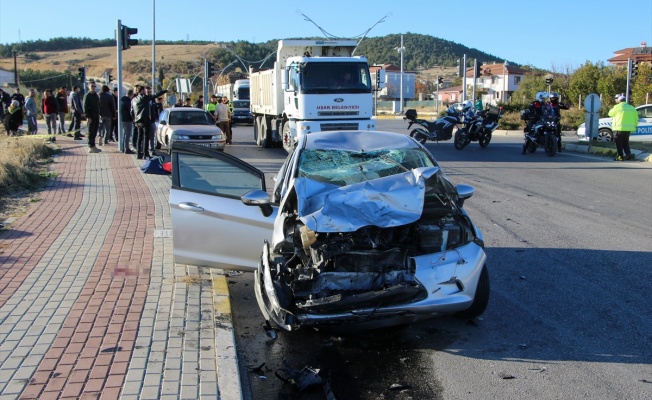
(238, 90)
(315, 85)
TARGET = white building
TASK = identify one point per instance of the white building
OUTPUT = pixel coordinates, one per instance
(500, 81)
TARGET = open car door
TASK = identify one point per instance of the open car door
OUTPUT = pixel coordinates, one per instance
(211, 226)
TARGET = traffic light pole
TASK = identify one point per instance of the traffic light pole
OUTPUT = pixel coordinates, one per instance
(118, 38)
(205, 86)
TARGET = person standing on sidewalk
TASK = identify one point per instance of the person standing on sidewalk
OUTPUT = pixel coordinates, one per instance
(5, 102)
(199, 103)
(50, 110)
(127, 122)
(140, 111)
(92, 110)
(156, 107)
(19, 97)
(107, 115)
(625, 121)
(114, 131)
(75, 106)
(31, 112)
(62, 102)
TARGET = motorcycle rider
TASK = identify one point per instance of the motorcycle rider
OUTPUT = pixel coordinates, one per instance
(557, 107)
(535, 110)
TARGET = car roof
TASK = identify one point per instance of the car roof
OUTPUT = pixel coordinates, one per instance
(360, 141)
(181, 109)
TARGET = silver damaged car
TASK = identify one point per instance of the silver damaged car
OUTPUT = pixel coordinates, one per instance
(361, 229)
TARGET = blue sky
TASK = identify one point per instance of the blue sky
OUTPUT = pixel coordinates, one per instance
(547, 34)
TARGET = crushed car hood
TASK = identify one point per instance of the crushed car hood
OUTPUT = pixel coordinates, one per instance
(384, 202)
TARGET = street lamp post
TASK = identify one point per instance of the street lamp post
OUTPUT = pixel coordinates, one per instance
(401, 50)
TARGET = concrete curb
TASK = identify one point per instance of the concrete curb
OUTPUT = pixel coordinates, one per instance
(605, 152)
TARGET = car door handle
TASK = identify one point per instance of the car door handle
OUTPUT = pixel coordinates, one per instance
(191, 207)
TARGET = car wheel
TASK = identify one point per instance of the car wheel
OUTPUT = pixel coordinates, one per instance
(481, 299)
(605, 135)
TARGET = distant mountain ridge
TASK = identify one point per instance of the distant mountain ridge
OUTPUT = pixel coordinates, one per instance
(421, 51)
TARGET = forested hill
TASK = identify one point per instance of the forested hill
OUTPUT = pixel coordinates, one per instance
(421, 51)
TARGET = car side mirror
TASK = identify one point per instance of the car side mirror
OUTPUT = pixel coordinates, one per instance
(463, 192)
(258, 198)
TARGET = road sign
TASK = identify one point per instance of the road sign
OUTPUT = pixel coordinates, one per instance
(592, 104)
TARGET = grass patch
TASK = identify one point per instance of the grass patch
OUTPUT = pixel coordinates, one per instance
(642, 146)
(24, 162)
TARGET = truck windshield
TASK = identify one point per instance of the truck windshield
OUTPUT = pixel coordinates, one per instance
(328, 77)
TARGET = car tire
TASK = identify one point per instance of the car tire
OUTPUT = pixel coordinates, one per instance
(481, 299)
(605, 135)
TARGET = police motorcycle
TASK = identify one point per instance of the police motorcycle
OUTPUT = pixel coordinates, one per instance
(477, 127)
(542, 131)
(441, 129)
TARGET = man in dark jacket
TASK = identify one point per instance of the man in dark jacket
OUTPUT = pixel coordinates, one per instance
(127, 122)
(5, 101)
(107, 114)
(77, 110)
(156, 107)
(92, 111)
(140, 111)
(18, 96)
(62, 102)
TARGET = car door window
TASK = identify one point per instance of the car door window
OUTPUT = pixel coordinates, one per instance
(216, 176)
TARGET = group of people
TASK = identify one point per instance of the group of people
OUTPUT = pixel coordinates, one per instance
(139, 111)
(11, 110)
(222, 110)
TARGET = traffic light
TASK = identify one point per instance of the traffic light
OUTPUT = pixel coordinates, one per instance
(125, 33)
(478, 69)
(634, 68)
(548, 81)
(81, 73)
(210, 68)
(440, 80)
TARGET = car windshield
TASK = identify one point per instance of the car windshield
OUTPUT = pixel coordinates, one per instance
(190, 118)
(342, 168)
(335, 78)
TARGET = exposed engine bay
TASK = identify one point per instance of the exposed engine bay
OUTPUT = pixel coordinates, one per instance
(370, 266)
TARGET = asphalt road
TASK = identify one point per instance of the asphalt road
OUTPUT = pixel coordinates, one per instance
(568, 240)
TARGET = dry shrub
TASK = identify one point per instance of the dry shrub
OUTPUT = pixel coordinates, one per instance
(22, 161)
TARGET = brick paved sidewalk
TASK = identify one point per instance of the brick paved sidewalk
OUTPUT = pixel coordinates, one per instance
(91, 304)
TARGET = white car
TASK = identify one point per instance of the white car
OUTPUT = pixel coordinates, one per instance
(188, 125)
(362, 229)
(643, 132)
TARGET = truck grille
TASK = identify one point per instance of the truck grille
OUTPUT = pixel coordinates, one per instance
(338, 113)
(339, 127)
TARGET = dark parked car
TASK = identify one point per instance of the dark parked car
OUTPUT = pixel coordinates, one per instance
(241, 112)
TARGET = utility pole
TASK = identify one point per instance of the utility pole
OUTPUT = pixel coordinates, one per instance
(401, 50)
(15, 67)
(154, 47)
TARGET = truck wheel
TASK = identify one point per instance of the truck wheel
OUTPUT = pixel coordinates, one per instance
(265, 134)
(256, 131)
(288, 141)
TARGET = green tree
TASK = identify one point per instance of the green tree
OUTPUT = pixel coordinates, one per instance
(584, 80)
(642, 85)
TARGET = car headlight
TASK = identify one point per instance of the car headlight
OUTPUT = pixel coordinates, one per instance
(216, 137)
(176, 136)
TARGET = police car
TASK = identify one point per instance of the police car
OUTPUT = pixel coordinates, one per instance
(643, 132)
